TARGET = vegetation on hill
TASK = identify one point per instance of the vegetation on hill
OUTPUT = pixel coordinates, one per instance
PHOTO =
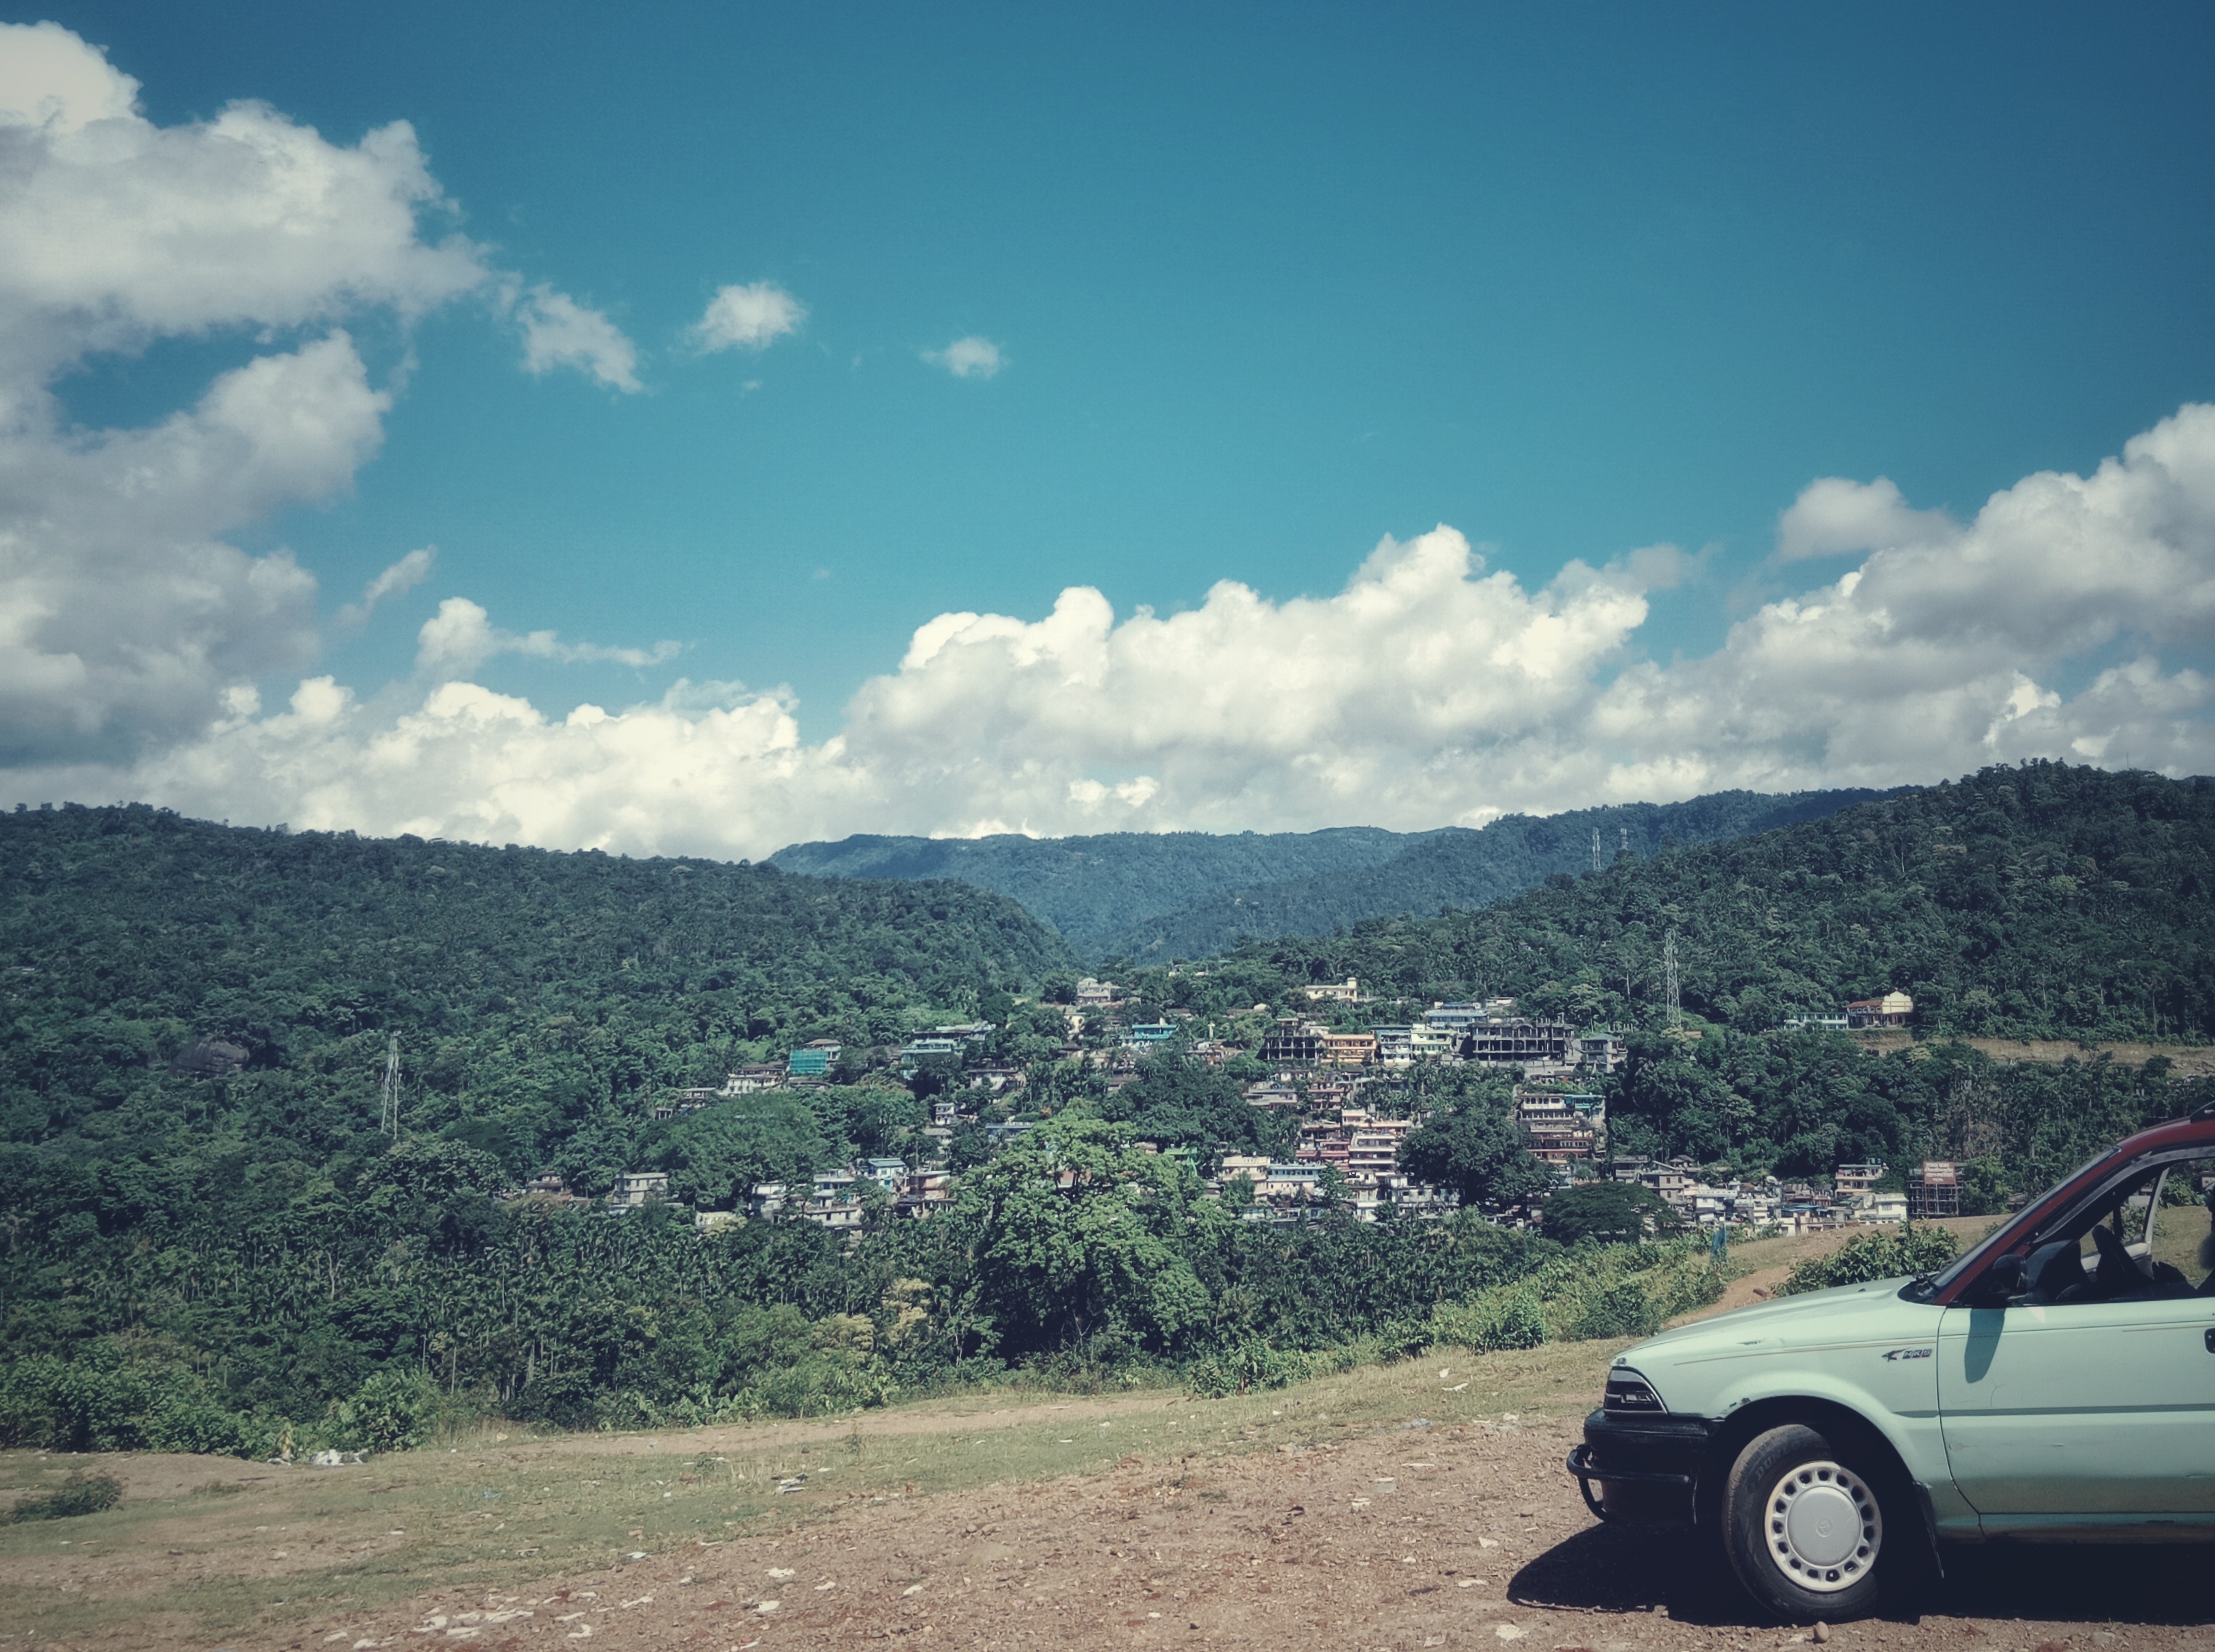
(1092, 888)
(1189, 895)
(1438, 871)
(205, 1244)
(2040, 901)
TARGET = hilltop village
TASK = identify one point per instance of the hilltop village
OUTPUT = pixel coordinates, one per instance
(1354, 1087)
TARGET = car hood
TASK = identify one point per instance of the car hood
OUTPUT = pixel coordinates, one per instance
(1843, 1311)
(1853, 1343)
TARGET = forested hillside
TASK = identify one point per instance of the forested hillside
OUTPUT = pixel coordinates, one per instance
(542, 1000)
(1160, 896)
(2040, 901)
(1093, 889)
(1437, 871)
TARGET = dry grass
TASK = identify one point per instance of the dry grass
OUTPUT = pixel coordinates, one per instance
(209, 1545)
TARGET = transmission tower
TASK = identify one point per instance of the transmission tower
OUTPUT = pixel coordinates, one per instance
(389, 1122)
(1595, 849)
(1669, 968)
(1624, 832)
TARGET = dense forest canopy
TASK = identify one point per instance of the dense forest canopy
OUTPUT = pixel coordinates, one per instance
(543, 1000)
(1159, 896)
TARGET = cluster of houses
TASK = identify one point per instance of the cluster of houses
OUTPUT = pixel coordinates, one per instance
(1347, 1154)
(1933, 1190)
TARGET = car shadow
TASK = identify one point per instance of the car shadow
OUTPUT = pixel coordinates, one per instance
(1627, 1569)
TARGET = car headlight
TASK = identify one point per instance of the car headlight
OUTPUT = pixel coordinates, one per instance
(1628, 1392)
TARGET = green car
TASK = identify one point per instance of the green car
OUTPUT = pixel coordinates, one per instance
(2056, 1384)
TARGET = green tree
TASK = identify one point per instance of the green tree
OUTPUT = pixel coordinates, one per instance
(1079, 1238)
(1475, 1150)
(1611, 1213)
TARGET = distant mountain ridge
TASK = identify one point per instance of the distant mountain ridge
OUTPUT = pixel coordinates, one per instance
(1157, 896)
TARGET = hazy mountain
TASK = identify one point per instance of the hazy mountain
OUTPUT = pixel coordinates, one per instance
(1191, 894)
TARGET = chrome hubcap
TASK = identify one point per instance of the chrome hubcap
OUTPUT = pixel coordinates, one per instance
(1823, 1526)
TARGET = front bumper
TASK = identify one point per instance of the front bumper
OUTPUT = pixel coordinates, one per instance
(1645, 1467)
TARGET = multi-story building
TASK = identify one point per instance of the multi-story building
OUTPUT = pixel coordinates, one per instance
(1293, 1040)
(1395, 1046)
(1934, 1188)
(815, 1060)
(1599, 1052)
(1349, 1049)
(1516, 1040)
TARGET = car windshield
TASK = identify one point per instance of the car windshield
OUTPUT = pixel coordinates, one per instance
(2001, 1237)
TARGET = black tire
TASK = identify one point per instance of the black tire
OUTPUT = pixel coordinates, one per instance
(1810, 1530)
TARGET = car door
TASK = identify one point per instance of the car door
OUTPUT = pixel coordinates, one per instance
(2099, 1409)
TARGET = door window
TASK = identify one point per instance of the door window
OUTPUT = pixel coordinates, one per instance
(2183, 1221)
(2143, 1240)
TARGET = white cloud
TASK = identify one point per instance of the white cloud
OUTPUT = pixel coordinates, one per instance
(1834, 517)
(461, 637)
(751, 317)
(125, 616)
(49, 77)
(970, 357)
(558, 331)
(1429, 689)
(409, 572)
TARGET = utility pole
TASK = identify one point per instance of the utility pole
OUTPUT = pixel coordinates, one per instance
(389, 1122)
(1669, 966)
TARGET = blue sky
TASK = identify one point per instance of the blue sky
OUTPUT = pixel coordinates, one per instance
(1270, 284)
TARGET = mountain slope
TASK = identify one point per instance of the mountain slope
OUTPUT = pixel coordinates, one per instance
(1157, 897)
(539, 997)
(2039, 901)
(1442, 869)
(1093, 889)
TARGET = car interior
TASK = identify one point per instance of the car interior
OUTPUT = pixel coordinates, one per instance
(2151, 1238)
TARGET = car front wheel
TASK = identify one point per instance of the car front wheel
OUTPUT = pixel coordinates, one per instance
(1804, 1527)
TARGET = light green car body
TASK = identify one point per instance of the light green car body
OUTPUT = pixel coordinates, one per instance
(2087, 1421)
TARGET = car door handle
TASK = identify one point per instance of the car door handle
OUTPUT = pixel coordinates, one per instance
(2210, 1340)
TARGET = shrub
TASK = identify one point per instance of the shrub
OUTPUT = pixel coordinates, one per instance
(1872, 1256)
(81, 1494)
(393, 1411)
(1252, 1364)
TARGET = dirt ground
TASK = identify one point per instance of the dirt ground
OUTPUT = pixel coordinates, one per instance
(2186, 1060)
(1416, 1537)
(1417, 1519)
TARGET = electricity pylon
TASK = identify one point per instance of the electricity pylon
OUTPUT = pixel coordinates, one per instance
(389, 1122)
(1669, 966)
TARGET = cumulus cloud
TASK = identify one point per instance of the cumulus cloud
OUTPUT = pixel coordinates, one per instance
(125, 618)
(461, 637)
(970, 357)
(1429, 689)
(1834, 515)
(558, 331)
(752, 317)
